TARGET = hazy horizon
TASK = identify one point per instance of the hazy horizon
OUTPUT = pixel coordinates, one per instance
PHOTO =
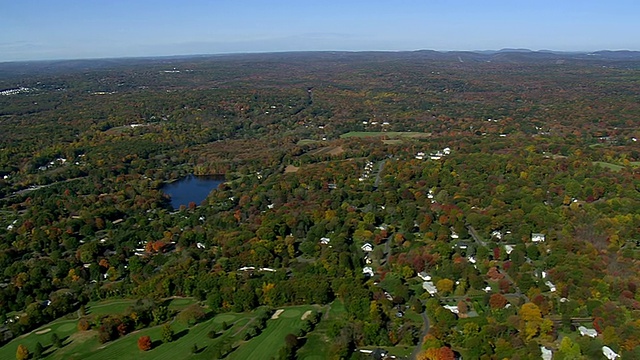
(64, 29)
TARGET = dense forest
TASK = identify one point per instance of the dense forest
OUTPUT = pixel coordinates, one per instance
(499, 196)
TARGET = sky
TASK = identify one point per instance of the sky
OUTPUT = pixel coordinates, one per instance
(75, 29)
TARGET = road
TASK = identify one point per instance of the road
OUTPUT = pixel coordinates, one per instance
(38, 187)
(478, 239)
(425, 330)
(380, 167)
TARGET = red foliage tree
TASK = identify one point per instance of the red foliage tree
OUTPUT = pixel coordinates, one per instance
(144, 343)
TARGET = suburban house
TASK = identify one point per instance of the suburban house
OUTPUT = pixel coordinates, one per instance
(424, 276)
(430, 287)
(592, 333)
(547, 354)
(367, 247)
(325, 241)
(367, 270)
(610, 354)
(537, 237)
(551, 286)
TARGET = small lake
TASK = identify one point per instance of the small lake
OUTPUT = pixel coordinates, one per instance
(191, 188)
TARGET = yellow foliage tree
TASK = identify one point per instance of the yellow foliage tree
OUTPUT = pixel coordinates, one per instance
(445, 286)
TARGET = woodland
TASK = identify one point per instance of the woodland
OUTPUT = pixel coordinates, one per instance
(510, 184)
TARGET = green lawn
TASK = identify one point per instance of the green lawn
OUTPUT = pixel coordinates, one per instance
(317, 345)
(108, 307)
(390, 134)
(306, 142)
(85, 345)
(269, 342)
(610, 166)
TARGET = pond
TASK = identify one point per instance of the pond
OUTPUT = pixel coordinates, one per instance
(191, 189)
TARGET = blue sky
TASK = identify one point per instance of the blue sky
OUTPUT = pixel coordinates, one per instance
(66, 29)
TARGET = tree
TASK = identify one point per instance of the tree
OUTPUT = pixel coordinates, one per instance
(194, 348)
(445, 286)
(167, 333)
(144, 343)
(22, 353)
(83, 324)
(497, 301)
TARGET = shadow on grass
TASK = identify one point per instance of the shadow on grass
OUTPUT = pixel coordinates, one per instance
(180, 334)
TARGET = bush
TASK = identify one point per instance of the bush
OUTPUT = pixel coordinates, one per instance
(212, 334)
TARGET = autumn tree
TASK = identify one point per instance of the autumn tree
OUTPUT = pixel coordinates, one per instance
(22, 353)
(497, 301)
(532, 318)
(445, 286)
(83, 324)
(144, 343)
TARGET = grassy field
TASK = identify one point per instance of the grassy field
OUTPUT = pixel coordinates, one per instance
(615, 167)
(85, 345)
(317, 345)
(389, 134)
(269, 342)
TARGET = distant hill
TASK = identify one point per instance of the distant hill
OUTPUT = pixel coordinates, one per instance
(508, 55)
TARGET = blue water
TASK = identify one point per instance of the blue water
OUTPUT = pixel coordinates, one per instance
(191, 188)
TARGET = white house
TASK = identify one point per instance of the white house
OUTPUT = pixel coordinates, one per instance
(592, 333)
(367, 247)
(610, 354)
(551, 286)
(537, 237)
(367, 270)
(452, 308)
(509, 248)
(547, 354)
(424, 276)
(430, 287)
(200, 245)
(324, 240)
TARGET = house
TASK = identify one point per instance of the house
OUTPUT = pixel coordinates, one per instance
(496, 234)
(452, 308)
(367, 270)
(246, 268)
(200, 246)
(551, 286)
(367, 247)
(367, 259)
(424, 276)
(509, 248)
(388, 296)
(537, 237)
(430, 287)
(592, 333)
(547, 354)
(325, 240)
(608, 353)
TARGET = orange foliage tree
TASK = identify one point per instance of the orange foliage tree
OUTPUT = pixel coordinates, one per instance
(144, 343)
